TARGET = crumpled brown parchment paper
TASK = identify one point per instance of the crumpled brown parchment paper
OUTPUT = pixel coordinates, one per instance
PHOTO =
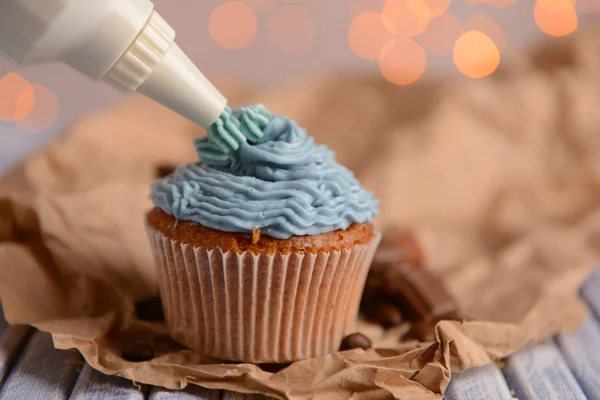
(500, 178)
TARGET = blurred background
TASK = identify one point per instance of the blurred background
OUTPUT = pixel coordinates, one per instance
(270, 42)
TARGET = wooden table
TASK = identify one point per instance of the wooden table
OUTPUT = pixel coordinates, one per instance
(567, 367)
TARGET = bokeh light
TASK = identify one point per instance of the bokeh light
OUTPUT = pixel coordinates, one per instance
(44, 113)
(556, 5)
(440, 35)
(24, 104)
(475, 54)
(368, 33)
(233, 25)
(437, 7)
(12, 87)
(409, 17)
(261, 5)
(485, 24)
(556, 23)
(291, 29)
(402, 61)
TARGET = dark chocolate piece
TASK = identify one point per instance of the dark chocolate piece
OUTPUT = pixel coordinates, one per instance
(374, 282)
(150, 310)
(137, 352)
(355, 341)
(419, 293)
(396, 288)
(398, 246)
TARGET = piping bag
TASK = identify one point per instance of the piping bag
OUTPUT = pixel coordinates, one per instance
(124, 43)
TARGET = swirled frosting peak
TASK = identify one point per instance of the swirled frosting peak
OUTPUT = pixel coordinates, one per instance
(263, 171)
(219, 147)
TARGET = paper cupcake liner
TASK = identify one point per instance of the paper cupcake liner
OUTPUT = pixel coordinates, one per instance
(260, 308)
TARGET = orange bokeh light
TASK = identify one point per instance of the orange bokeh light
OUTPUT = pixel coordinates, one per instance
(440, 35)
(485, 24)
(556, 5)
(12, 87)
(368, 33)
(436, 7)
(291, 29)
(44, 113)
(556, 23)
(233, 25)
(409, 17)
(475, 54)
(402, 61)
(24, 104)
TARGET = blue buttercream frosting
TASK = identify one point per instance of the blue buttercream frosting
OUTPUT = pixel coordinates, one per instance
(263, 171)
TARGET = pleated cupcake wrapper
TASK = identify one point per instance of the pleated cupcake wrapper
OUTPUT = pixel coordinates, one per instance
(260, 308)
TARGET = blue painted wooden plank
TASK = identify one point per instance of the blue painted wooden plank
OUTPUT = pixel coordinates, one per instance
(191, 392)
(482, 383)
(42, 372)
(93, 384)
(590, 291)
(12, 340)
(581, 351)
(541, 373)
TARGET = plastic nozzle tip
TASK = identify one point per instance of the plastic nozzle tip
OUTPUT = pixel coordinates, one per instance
(177, 84)
(155, 66)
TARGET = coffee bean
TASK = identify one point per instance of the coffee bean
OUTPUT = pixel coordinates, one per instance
(355, 341)
(149, 310)
(385, 314)
(137, 352)
(422, 331)
(164, 170)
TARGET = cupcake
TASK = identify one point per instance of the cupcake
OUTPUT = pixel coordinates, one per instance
(263, 246)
